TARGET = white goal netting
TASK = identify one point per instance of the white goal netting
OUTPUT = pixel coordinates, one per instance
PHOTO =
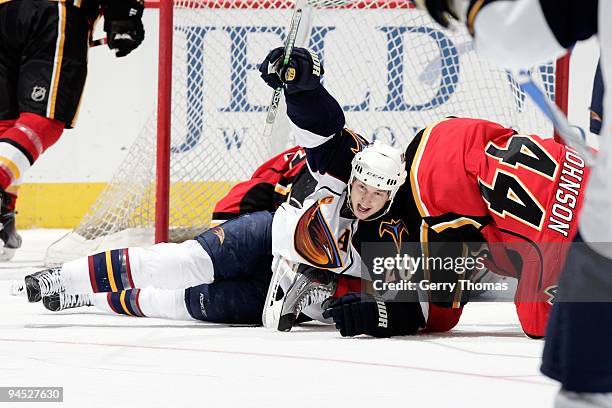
(392, 69)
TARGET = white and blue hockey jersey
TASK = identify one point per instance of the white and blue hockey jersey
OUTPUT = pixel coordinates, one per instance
(320, 232)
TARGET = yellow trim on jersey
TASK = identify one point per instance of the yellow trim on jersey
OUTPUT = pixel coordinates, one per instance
(4, 1)
(57, 61)
(425, 250)
(458, 292)
(456, 223)
(414, 169)
(123, 305)
(280, 189)
(109, 272)
(12, 167)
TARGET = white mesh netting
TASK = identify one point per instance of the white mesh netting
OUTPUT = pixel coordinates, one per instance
(389, 65)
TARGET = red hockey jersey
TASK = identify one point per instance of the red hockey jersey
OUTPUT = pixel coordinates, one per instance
(267, 188)
(522, 193)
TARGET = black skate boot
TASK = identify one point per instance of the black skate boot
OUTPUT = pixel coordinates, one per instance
(11, 240)
(310, 287)
(61, 301)
(43, 283)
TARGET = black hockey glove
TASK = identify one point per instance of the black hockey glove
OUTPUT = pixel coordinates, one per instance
(123, 25)
(302, 73)
(361, 313)
(440, 10)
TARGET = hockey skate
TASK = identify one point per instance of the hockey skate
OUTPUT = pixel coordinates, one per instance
(11, 240)
(43, 283)
(61, 301)
(310, 286)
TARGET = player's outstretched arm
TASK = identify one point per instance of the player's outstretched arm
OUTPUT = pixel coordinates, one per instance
(123, 25)
(309, 106)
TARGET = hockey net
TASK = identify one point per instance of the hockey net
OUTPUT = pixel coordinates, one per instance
(392, 69)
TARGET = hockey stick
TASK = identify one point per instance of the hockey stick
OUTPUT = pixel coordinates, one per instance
(289, 43)
(570, 135)
(99, 41)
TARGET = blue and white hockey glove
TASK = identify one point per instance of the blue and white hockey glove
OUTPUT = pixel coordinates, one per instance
(362, 313)
(302, 73)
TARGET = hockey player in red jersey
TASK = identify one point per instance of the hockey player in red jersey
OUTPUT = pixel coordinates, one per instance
(268, 187)
(472, 180)
(476, 191)
(43, 67)
(520, 34)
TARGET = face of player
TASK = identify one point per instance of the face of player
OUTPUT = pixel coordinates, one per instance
(367, 200)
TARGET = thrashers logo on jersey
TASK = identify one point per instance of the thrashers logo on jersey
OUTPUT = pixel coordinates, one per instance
(314, 240)
(218, 231)
(395, 228)
(360, 142)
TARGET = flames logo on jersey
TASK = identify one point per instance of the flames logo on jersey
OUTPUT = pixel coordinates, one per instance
(395, 228)
(314, 240)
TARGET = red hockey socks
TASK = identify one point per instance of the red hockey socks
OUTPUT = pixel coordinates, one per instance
(23, 143)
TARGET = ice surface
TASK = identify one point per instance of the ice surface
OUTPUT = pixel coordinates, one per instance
(111, 361)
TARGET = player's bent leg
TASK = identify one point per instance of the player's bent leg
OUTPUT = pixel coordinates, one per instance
(22, 144)
(237, 245)
(6, 124)
(225, 252)
(237, 301)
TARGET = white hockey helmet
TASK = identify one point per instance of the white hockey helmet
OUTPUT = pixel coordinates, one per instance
(381, 166)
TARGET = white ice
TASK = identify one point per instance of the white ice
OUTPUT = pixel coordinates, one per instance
(115, 361)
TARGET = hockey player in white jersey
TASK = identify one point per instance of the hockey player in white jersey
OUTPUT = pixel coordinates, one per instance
(519, 34)
(355, 182)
